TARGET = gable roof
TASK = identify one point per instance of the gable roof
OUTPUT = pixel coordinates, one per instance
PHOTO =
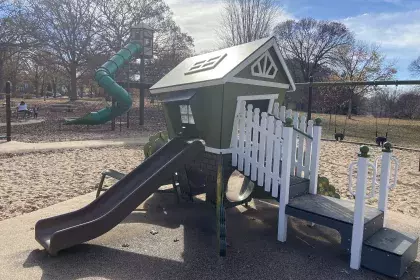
(219, 67)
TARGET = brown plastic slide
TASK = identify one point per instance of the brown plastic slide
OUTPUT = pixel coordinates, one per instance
(104, 213)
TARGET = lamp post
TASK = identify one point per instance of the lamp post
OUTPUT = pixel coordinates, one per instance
(143, 35)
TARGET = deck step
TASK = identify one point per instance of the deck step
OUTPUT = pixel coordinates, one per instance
(389, 252)
(334, 213)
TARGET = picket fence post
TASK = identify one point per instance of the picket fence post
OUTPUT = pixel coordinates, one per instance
(315, 155)
(285, 179)
(359, 207)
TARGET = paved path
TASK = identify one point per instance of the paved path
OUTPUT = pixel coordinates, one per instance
(14, 147)
(24, 122)
(185, 246)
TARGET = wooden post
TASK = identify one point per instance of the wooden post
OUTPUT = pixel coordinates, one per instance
(359, 208)
(315, 155)
(285, 179)
(8, 112)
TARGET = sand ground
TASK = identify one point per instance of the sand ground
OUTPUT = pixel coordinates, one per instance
(37, 180)
(405, 198)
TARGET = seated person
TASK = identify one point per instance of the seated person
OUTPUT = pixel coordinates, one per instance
(23, 107)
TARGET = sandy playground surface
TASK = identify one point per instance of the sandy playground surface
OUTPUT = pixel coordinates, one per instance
(37, 180)
(33, 181)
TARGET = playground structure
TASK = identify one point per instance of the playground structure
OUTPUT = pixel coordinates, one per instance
(141, 45)
(223, 114)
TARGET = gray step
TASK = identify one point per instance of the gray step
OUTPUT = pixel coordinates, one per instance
(389, 252)
(334, 213)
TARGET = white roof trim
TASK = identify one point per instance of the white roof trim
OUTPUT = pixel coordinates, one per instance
(187, 86)
(256, 55)
(283, 63)
(258, 83)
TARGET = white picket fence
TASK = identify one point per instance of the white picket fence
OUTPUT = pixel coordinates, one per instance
(268, 149)
(259, 145)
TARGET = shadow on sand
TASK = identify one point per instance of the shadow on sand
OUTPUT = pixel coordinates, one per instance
(253, 252)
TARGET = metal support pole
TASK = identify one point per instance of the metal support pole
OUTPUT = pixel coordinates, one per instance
(8, 113)
(220, 208)
(141, 105)
(310, 93)
(113, 119)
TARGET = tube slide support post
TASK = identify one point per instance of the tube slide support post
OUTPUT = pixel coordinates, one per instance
(359, 209)
(141, 105)
(8, 112)
(285, 180)
(384, 179)
(220, 209)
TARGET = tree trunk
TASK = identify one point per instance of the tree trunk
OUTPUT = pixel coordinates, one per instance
(350, 107)
(73, 82)
(2, 82)
(54, 87)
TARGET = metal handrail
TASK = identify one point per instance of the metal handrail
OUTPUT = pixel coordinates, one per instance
(397, 165)
(294, 128)
(373, 184)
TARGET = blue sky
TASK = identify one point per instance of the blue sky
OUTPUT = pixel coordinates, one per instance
(393, 24)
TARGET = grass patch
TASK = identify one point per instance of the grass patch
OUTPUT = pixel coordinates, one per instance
(405, 133)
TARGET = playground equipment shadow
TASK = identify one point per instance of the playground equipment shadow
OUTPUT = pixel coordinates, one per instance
(166, 240)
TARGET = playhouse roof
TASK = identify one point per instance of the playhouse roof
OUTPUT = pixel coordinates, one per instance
(220, 67)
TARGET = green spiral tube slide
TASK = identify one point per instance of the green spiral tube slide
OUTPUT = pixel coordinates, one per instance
(104, 77)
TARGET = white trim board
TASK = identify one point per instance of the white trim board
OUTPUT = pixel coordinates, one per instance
(218, 151)
(258, 83)
(270, 97)
(257, 97)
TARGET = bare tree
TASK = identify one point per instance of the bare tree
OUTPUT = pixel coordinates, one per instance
(310, 43)
(245, 21)
(171, 45)
(67, 30)
(362, 62)
(414, 67)
(14, 33)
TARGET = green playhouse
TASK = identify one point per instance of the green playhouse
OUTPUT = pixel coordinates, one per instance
(224, 114)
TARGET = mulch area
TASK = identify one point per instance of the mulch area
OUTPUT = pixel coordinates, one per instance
(52, 129)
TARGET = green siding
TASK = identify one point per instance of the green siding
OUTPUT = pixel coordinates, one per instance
(279, 78)
(206, 107)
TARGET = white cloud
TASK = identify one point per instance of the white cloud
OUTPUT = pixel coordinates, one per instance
(200, 19)
(397, 33)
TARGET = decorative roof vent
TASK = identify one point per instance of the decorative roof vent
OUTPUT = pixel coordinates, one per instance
(206, 64)
(264, 67)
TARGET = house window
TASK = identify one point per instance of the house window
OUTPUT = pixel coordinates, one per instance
(205, 64)
(264, 67)
(186, 114)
